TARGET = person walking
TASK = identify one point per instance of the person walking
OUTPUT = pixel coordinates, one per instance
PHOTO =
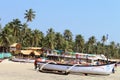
(35, 64)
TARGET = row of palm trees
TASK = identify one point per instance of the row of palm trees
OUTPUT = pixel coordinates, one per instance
(17, 32)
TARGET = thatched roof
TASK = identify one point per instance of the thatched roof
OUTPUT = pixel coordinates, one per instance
(36, 53)
(28, 52)
(34, 48)
(16, 45)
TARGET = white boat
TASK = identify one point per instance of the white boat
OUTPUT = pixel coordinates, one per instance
(23, 60)
(104, 69)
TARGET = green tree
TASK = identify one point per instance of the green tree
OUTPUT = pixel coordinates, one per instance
(37, 36)
(68, 40)
(68, 35)
(104, 48)
(79, 43)
(29, 15)
(4, 39)
(28, 38)
(112, 49)
(98, 48)
(59, 40)
(13, 28)
(23, 33)
(50, 39)
(103, 39)
(90, 45)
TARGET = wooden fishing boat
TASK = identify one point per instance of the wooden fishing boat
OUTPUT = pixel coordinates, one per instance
(79, 63)
(104, 69)
(23, 60)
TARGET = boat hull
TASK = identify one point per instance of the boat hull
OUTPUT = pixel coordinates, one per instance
(90, 69)
(23, 60)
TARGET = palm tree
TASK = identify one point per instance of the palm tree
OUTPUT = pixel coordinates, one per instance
(4, 40)
(112, 47)
(50, 39)
(68, 35)
(27, 38)
(59, 40)
(9, 33)
(92, 40)
(98, 48)
(37, 35)
(65, 45)
(79, 43)
(29, 15)
(24, 28)
(23, 33)
(16, 25)
(91, 44)
(104, 48)
(14, 28)
(30, 38)
(68, 40)
(103, 39)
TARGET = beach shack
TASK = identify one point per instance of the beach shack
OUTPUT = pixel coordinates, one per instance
(15, 47)
(29, 52)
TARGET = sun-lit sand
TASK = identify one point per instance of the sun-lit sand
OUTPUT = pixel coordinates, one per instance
(25, 71)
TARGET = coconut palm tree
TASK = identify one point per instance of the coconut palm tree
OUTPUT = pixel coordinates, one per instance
(37, 35)
(68, 35)
(24, 28)
(14, 29)
(92, 40)
(112, 47)
(90, 45)
(50, 39)
(68, 40)
(103, 39)
(79, 43)
(29, 15)
(9, 33)
(104, 48)
(16, 26)
(4, 39)
(28, 38)
(59, 40)
(23, 33)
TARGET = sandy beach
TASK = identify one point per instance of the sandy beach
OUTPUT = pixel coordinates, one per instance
(25, 71)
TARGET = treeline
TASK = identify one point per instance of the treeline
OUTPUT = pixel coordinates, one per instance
(17, 32)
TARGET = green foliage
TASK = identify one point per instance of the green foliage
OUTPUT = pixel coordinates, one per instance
(15, 31)
(29, 15)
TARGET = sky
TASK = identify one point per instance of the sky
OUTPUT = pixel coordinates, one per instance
(85, 17)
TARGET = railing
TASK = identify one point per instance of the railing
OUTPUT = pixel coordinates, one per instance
(41, 67)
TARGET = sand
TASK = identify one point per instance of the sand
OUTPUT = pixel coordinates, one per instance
(25, 71)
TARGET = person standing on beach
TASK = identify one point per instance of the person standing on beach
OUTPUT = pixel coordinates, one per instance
(35, 64)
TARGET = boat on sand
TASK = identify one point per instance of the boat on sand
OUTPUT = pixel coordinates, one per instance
(103, 69)
(27, 60)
